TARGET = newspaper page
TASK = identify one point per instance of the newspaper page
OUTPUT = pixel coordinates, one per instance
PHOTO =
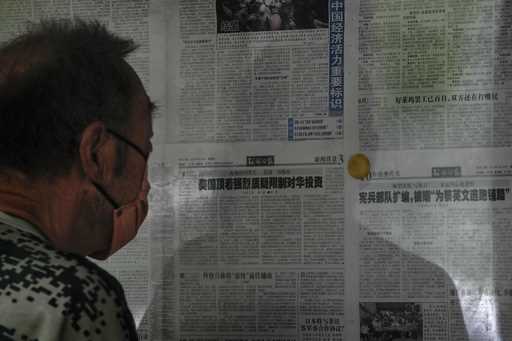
(250, 70)
(258, 242)
(433, 247)
(428, 248)
(433, 74)
(247, 237)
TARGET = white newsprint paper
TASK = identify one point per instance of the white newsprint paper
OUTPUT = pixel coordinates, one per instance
(431, 253)
(254, 246)
(256, 231)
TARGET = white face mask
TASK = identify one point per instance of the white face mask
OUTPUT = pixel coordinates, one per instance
(127, 218)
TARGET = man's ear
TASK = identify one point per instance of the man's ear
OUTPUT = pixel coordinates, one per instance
(95, 152)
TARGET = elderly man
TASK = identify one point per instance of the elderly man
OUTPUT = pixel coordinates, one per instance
(75, 135)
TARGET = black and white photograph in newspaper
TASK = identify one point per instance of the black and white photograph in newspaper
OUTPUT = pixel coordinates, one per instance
(391, 321)
(271, 15)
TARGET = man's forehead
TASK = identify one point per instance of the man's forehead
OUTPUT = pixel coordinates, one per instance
(142, 109)
(142, 100)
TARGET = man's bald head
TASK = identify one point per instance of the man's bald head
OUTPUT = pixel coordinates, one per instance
(55, 79)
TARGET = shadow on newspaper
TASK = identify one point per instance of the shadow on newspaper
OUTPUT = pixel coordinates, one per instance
(420, 304)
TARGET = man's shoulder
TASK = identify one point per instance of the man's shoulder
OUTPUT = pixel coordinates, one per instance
(34, 259)
(62, 288)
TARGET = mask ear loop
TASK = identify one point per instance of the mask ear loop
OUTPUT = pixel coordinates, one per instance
(106, 195)
(130, 143)
(140, 151)
(137, 149)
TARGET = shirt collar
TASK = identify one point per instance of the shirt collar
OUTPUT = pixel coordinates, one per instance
(20, 224)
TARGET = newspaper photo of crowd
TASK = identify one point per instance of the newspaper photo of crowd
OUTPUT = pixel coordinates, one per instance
(391, 322)
(271, 15)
